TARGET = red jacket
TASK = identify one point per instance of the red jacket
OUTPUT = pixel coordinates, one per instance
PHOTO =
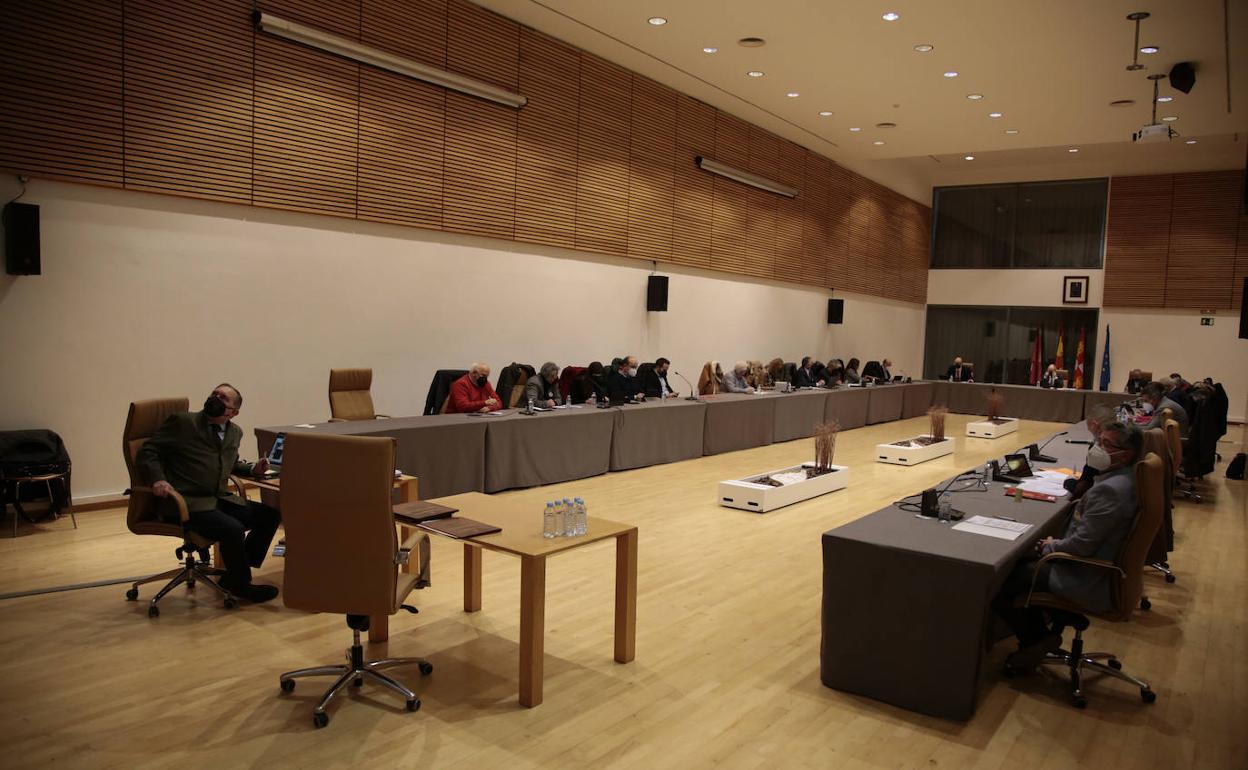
(467, 397)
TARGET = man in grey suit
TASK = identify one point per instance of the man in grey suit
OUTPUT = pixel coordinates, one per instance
(542, 389)
(1101, 521)
(735, 382)
(1155, 394)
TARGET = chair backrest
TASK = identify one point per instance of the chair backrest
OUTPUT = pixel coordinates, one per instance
(643, 371)
(142, 422)
(708, 382)
(566, 378)
(349, 394)
(1064, 374)
(1173, 440)
(1134, 552)
(511, 382)
(790, 371)
(339, 522)
(1146, 376)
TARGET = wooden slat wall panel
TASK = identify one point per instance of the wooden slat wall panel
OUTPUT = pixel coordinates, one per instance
(1241, 263)
(550, 74)
(691, 226)
(1137, 240)
(401, 150)
(481, 137)
(1204, 224)
(729, 217)
(189, 100)
(189, 116)
(602, 157)
(307, 119)
(412, 28)
(61, 99)
(651, 175)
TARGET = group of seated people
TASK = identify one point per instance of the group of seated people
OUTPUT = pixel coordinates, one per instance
(622, 382)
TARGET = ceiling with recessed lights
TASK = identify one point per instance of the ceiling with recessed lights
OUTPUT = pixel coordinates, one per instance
(1016, 84)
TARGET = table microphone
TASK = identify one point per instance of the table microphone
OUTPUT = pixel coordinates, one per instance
(1034, 452)
(692, 395)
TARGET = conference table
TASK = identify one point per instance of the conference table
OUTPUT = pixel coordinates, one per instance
(906, 615)
(455, 453)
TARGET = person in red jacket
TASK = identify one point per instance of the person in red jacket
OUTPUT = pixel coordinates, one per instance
(473, 392)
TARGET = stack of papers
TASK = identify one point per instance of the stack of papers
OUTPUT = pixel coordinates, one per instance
(1046, 483)
(991, 526)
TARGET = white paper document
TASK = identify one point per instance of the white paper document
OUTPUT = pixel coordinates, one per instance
(305, 425)
(991, 526)
(1046, 483)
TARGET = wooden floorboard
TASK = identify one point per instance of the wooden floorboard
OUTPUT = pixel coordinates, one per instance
(727, 666)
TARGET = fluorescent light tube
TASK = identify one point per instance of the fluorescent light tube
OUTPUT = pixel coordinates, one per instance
(745, 177)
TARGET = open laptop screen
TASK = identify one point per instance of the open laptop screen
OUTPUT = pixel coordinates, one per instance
(275, 451)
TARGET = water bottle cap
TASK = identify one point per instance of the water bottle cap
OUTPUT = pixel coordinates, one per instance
(580, 500)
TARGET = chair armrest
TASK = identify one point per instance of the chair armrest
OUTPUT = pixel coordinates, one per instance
(239, 486)
(382, 416)
(409, 545)
(1060, 556)
(336, 419)
(183, 514)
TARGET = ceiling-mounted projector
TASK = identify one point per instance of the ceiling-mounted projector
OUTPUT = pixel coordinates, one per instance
(1155, 132)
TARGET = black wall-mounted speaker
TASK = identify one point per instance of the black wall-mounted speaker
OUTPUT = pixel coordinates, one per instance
(1243, 313)
(836, 311)
(21, 239)
(1183, 77)
(656, 293)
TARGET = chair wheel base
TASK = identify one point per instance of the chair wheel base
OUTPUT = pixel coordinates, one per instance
(413, 704)
(1079, 701)
(287, 685)
(1145, 604)
(132, 594)
(1114, 663)
(230, 602)
(1170, 578)
(426, 668)
(1148, 696)
(320, 719)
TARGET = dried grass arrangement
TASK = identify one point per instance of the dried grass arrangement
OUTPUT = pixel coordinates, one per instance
(995, 405)
(937, 415)
(825, 445)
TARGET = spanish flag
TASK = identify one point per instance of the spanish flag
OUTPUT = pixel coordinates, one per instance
(1060, 358)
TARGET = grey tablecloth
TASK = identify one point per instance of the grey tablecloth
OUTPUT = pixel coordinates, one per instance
(445, 452)
(1094, 398)
(546, 448)
(738, 421)
(798, 414)
(885, 403)
(848, 406)
(916, 399)
(657, 432)
(906, 613)
(1031, 403)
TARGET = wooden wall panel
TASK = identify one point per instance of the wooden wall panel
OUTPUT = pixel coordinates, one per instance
(602, 157)
(61, 99)
(481, 137)
(307, 120)
(651, 172)
(816, 217)
(1241, 263)
(341, 17)
(188, 98)
(793, 262)
(1204, 223)
(550, 74)
(1137, 240)
(401, 150)
(415, 29)
(729, 218)
(694, 188)
(762, 207)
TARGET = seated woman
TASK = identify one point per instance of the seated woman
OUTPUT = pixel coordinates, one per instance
(850, 372)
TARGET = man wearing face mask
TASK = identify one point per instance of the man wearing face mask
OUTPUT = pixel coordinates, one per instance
(1097, 417)
(1155, 394)
(735, 381)
(1100, 523)
(194, 453)
(473, 392)
(622, 382)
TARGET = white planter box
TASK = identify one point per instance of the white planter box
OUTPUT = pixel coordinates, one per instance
(748, 495)
(989, 429)
(912, 454)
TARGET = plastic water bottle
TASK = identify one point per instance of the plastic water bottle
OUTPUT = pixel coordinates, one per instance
(987, 471)
(569, 518)
(567, 400)
(945, 511)
(548, 521)
(560, 518)
(530, 410)
(582, 518)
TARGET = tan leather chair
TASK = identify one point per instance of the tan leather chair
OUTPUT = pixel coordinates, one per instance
(1155, 442)
(147, 514)
(342, 554)
(1146, 376)
(350, 396)
(1065, 375)
(1126, 572)
(711, 380)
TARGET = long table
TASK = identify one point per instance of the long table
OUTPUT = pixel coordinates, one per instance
(455, 453)
(906, 600)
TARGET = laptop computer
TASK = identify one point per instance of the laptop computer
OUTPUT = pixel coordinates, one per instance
(275, 457)
(1016, 469)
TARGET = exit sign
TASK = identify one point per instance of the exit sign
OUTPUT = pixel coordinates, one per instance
(1206, 322)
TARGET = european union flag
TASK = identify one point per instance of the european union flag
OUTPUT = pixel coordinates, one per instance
(1105, 362)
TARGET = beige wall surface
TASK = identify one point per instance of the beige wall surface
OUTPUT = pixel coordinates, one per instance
(144, 296)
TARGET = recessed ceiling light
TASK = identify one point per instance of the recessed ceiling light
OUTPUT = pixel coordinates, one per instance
(1073, 149)
(1170, 118)
(1165, 99)
(855, 129)
(878, 142)
(974, 97)
(792, 94)
(710, 49)
(1122, 103)
(968, 157)
(923, 48)
(1149, 49)
(656, 21)
(1011, 131)
(752, 42)
(951, 74)
(1190, 141)
(994, 114)
(825, 113)
(756, 73)
(891, 16)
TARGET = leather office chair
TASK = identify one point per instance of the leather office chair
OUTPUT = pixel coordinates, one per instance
(1158, 552)
(342, 554)
(349, 395)
(147, 514)
(711, 380)
(1065, 375)
(1126, 572)
(1175, 441)
(440, 389)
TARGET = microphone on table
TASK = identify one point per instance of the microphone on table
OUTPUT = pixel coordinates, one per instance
(1034, 452)
(1078, 441)
(692, 395)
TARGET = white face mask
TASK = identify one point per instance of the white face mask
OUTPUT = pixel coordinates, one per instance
(1099, 459)
(632, 372)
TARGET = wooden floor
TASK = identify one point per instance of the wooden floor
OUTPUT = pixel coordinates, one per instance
(727, 668)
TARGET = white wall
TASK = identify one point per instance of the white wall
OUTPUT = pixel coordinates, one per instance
(1013, 287)
(144, 296)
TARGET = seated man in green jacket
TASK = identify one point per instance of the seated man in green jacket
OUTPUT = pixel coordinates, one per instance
(194, 453)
